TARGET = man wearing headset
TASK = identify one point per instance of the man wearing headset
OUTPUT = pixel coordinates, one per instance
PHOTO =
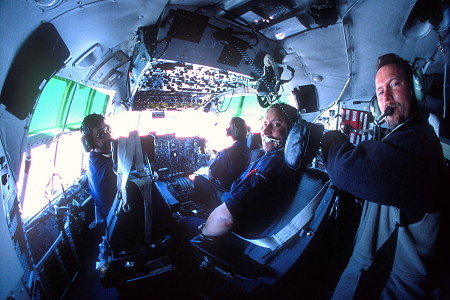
(399, 179)
(232, 161)
(101, 177)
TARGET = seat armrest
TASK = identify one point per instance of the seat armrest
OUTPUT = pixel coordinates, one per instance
(224, 257)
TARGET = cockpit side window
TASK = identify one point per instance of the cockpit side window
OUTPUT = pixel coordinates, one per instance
(55, 155)
(53, 169)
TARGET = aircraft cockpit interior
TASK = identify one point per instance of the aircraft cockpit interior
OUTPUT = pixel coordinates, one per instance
(155, 94)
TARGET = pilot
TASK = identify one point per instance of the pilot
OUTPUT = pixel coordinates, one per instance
(264, 188)
(101, 178)
(232, 161)
(399, 179)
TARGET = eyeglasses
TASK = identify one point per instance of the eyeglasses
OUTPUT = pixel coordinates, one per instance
(102, 132)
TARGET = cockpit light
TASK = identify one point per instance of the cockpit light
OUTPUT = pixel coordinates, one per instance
(46, 4)
(280, 36)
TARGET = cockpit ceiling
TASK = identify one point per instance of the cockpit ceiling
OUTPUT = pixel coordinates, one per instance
(176, 85)
(374, 28)
(328, 71)
(337, 57)
(326, 52)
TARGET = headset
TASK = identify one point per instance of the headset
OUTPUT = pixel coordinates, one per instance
(86, 139)
(296, 115)
(89, 122)
(417, 85)
(231, 131)
(237, 128)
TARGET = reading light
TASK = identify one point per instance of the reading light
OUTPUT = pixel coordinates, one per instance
(318, 78)
(47, 4)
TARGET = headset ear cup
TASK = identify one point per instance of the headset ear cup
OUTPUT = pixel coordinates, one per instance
(85, 130)
(229, 131)
(418, 85)
(86, 144)
(87, 133)
(234, 131)
(86, 139)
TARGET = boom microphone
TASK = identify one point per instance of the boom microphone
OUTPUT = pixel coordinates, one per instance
(389, 111)
(271, 140)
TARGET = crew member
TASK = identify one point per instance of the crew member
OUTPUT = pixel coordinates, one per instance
(399, 177)
(101, 178)
(232, 161)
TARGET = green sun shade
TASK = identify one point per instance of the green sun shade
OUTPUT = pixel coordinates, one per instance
(245, 106)
(64, 103)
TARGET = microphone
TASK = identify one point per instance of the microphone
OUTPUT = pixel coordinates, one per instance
(389, 111)
(271, 140)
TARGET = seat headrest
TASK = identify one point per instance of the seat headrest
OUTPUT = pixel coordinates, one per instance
(302, 144)
(147, 145)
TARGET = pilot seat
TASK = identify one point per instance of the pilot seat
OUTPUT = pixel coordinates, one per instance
(139, 223)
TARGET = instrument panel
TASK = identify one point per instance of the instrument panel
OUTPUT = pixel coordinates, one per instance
(178, 157)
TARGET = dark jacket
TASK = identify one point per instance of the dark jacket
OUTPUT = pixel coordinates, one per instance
(261, 193)
(230, 163)
(399, 177)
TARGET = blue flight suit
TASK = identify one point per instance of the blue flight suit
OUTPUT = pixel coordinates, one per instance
(102, 182)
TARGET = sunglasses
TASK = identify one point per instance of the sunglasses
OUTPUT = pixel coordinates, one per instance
(102, 132)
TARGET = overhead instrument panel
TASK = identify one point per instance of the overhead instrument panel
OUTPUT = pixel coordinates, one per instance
(216, 57)
(175, 85)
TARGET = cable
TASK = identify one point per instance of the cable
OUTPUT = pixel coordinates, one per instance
(334, 102)
(437, 48)
(444, 113)
(267, 99)
(165, 49)
(229, 103)
(211, 5)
